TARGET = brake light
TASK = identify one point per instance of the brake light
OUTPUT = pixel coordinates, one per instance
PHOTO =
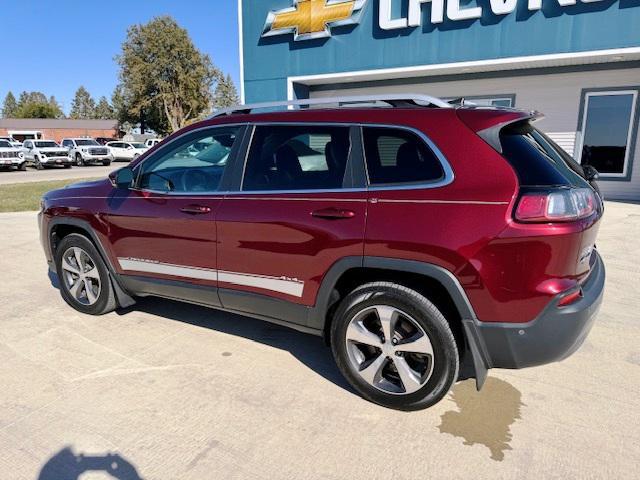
(561, 205)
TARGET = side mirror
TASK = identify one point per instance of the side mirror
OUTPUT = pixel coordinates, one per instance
(590, 173)
(122, 179)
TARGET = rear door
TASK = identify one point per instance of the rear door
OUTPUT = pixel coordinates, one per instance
(299, 210)
(165, 227)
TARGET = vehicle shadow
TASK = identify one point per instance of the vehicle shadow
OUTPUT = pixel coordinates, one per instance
(67, 465)
(308, 349)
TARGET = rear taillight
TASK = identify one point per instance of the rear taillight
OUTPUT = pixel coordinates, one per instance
(556, 205)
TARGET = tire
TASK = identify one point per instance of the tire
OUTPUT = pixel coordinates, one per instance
(23, 167)
(426, 378)
(38, 164)
(102, 298)
(106, 164)
(67, 166)
(79, 160)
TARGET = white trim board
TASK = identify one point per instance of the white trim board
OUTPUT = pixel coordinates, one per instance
(241, 50)
(499, 64)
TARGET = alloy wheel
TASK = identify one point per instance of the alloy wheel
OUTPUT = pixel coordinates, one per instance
(389, 350)
(81, 276)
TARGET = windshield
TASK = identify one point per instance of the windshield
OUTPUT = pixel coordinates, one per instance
(4, 144)
(46, 144)
(138, 145)
(87, 143)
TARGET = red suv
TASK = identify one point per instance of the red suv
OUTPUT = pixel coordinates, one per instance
(414, 236)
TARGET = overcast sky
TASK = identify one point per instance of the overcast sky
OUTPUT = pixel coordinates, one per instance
(56, 46)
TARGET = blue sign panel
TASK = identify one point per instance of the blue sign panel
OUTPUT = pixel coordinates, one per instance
(285, 38)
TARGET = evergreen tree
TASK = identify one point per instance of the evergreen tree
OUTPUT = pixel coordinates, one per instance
(83, 106)
(225, 94)
(37, 105)
(104, 111)
(10, 106)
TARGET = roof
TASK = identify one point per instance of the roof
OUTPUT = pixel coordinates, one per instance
(56, 123)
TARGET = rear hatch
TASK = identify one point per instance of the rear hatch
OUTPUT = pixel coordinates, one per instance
(554, 189)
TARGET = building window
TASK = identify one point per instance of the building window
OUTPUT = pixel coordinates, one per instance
(488, 100)
(607, 128)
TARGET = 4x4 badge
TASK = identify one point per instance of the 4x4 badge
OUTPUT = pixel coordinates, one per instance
(309, 19)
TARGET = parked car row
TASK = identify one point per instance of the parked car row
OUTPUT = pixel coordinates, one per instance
(71, 151)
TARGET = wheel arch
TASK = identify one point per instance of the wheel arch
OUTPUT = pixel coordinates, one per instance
(436, 283)
(61, 227)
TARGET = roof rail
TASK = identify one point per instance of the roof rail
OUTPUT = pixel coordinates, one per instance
(393, 100)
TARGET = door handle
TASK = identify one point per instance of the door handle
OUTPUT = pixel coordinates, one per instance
(196, 209)
(333, 213)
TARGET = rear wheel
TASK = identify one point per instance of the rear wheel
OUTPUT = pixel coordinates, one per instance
(79, 160)
(394, 346)
(84, 278)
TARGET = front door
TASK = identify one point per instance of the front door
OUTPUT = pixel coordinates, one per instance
(296, 214)
(165, 227)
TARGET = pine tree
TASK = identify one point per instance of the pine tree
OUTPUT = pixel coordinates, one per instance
(104, 111)
(55, 106)
(10, 106)
(83, 106)
(226, 94)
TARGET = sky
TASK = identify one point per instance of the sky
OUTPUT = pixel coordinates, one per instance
(56, 46)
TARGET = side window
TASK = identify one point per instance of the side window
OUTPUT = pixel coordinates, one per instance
(297, 158)
(397, 156)
(193, 165)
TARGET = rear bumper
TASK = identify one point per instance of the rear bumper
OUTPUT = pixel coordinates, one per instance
(553, 336)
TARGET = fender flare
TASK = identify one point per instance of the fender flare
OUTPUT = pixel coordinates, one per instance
(317, 314)
(123, 298)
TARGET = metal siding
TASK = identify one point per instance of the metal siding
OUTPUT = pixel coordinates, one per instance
(554, 29)
(556, 95)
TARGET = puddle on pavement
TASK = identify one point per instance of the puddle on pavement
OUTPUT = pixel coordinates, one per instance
(484, 417)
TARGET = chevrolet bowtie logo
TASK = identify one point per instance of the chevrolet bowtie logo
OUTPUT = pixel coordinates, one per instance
(309, 19)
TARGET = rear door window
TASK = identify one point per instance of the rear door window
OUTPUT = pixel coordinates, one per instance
(308, 157)
(396, 157)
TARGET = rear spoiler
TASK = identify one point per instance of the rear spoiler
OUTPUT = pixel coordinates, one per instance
(488, 123)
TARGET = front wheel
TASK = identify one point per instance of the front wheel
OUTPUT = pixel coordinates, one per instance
(394, 346)
(23, 167)
(84, 279)
(79, 160)
(106, 163)
(39, 165)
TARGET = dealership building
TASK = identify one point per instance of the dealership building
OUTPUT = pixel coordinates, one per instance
(576, 61)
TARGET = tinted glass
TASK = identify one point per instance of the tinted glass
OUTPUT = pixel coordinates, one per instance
(297, 158)
(399, 157)
(86, 143)
(4, 144)
(194, 166)
(536, 159)
(46, 144)
(606, 131)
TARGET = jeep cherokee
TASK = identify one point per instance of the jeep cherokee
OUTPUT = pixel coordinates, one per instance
(414, 236)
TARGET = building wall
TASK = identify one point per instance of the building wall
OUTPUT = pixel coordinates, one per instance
(268, 62)
(58, 134)
(557, 95)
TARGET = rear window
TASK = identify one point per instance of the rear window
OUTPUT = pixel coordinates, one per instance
(536, 159)
(397, 156)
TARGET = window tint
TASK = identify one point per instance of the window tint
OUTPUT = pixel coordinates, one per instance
(536, 159)
(399, 156)
(195, 165)
(607, 121)
(297, 158)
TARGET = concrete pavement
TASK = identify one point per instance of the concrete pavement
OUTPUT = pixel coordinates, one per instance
(168, 391)
(57, 173)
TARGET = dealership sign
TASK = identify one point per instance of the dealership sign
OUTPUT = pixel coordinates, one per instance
(310, 19)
